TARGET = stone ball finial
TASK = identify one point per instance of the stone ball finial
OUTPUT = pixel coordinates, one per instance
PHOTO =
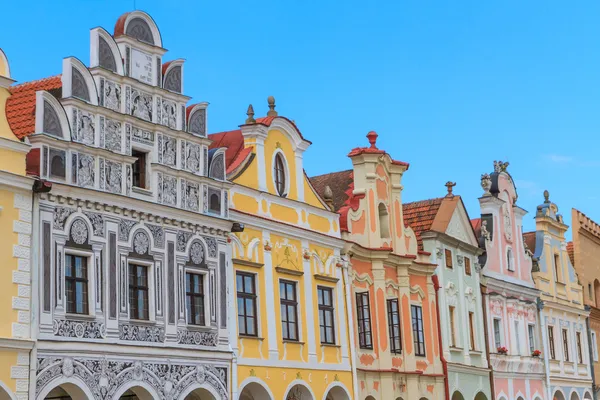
(450, 185)
(271, 112)
(328, 193)
(250, 114)
(372, 136)
(546, 196)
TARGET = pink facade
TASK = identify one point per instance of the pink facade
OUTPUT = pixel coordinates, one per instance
(510, 295)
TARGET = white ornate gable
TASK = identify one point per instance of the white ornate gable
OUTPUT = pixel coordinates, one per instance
(460, 228)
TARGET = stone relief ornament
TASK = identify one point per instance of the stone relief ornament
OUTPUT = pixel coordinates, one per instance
(79, 86)
(169, 114)
(141, 105)
(212, 245)
(124, 229)
(168, 190)
(197, 253)
(51, 121)
(142, 136)
(104, 377)
(192, 196)
(141, 333)
(128, 180)
(141, 243)
(112, 96)
(79, 329)
(105, 55)
(60, 215)
(486, 184)
(112, 135)
(192, 158)
(173, 79)
(84, 127)
(217, 168)
(198, 338)
(197, 123)
(168, 150)
(114, 177)
(158, 234)
(97, 222)
(86, 170)
(507, 222)
(79, 232)
(183, 238)
(496, 306)
(484, 231)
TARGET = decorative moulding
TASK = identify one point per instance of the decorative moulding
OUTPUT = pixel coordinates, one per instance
(288, 271)
(326, 278)
(247, 263)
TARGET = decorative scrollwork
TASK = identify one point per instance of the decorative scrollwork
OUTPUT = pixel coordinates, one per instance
(211, 242)
(79, 232)
(197, 253)
(141, 333)
(79, 329)
(60, 216)
(141, 243)
(198, 338)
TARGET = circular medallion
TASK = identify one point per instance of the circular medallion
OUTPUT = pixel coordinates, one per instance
(79, 232)
(197, 253)
(141, 242)
(67, 367)
(79, 330)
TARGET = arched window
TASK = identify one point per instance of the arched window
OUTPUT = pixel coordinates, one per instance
(279, 173)
(384, 221)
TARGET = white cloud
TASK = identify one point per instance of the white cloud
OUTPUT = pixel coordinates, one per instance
(559, 158)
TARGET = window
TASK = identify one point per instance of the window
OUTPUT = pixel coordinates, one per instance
(565, 338)
(467, 266)
(325, 298)
(590, 291)
(363, 312)
(594, 346)
(509, 260)
(384, 223)
(246, 304)
(138, 292)
(448, 254)
(551, 342)
(289, 310)
(139, 169)
(497, 333)
(394, 326)
(194, 297)
(57, 164)
(531, 333)
(279, 171)
(215, 203)
(558, 276)
(418, 334)
(472, 330)
(76, 284)
(452, 326)
(579, 352)
(518, 336)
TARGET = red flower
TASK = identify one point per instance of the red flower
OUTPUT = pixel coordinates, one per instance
(536, 353)
(502, 350)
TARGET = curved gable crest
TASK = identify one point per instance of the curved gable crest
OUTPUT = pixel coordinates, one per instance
(196, 119)
(289, 129)
(104, 51)
(4, 67)
(140, 26)
(77, 81)
(50, 116)
(173, 76)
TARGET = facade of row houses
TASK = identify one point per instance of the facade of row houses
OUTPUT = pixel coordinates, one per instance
(291, 284)
(397, 349)
(584, 252)
(509, 293)
(15, 254)
(563, 314)
(130, 246)
(444, 230)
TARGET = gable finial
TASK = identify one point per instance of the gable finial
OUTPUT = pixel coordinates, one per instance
(328, 197)
(250, 114)
(546, 196)
(450, 185)
(372, 136)
(271, 112)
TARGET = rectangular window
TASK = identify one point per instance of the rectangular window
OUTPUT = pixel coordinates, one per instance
(565, 338)
(590, 291)
(76, 282)
(557, 268)
(326, 313)
(138, 292)
(467, 266)
(363, 312)
(518, 336)
(472, 330)
(246, 304)
(594, 346)
(579, 351)
(139, 169)
(289, 310)
(394, 326)
(448, 254)
(531, 333)
(194, 297)
(452, 326)
(418, 334)
(497, 333)
(551, 342)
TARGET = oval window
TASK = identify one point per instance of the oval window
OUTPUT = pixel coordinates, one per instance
(279, 171)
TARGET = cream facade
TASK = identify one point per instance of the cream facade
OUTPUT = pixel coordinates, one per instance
(15, 249)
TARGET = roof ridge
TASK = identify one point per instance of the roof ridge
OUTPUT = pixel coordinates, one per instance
(36, 81)
(421, 201)
(331, 173)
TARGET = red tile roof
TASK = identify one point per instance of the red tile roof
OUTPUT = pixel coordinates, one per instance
(419, 215)
(120, 25)
(236, 153)
(476, 224)
(338, 182)
(20, 107)
(571, 252)
(529, 238)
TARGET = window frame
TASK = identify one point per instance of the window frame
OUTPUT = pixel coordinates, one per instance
(136, 263)
(363, 319)
(202, 296)
(510, 260)
(289, 303)
(323, 309)
(451, 317)
(448, 257)
(418, 340)
(395, 341)
(467, 265)
(497, 334)
(558, 273)
(579, 347)
(531, 337)
(86, 281)
(472, 336)
(551, 343)
(279, 160)
(143, 173)
(565, 339)
(253, 297)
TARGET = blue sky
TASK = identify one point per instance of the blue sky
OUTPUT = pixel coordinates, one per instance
(449, 86)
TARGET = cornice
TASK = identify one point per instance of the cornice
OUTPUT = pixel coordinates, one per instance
(14, 145)
(45, 139)
(12, 181)
(180, 173)
(452, 241)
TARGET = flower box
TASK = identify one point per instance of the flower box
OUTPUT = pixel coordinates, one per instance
(502, 350)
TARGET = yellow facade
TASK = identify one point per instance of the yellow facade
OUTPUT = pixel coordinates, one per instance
(291, 238)
(15, 231)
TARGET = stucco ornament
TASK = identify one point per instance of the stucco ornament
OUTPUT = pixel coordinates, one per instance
(486, 184)
(197, 253)
(79, 232)
(507, 222)
(141, 242)
(200, 374)
(67, 367)
(484, 231)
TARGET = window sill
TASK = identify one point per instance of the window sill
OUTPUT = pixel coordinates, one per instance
(476, 352)
(330, 345)
(326, 278)
(251, 337)
(83, 317)
(288, 271)
(456, 349)
(199, 328)
(141, 321)
(247, 263)
(145, 192)
(292, 341)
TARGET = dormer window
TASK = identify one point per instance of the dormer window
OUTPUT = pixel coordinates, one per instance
(279, 173)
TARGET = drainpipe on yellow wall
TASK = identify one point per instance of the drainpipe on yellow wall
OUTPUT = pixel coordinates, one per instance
(436, 286)
(348, 297)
